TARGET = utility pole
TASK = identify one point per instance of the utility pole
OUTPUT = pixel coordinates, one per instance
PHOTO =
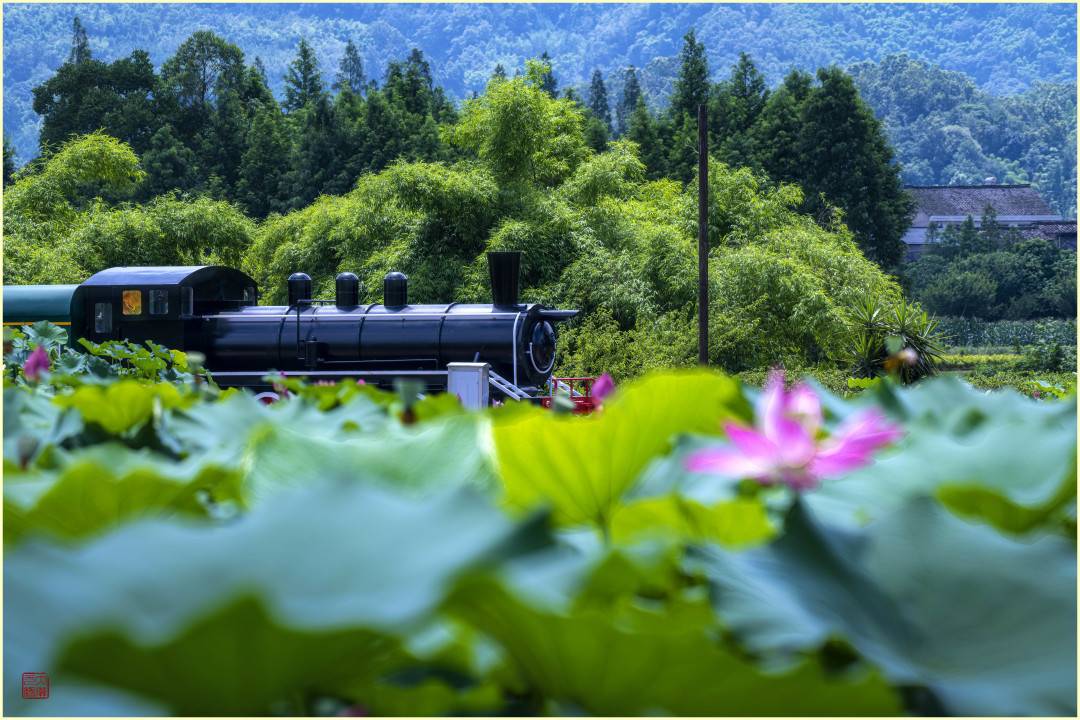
(703, 236)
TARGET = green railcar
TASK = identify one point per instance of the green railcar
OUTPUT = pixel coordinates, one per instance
(25, 304)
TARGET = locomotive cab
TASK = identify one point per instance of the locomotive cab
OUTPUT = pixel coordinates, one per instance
(162, 304)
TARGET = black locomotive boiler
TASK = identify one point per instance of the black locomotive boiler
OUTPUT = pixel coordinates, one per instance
(213, 310)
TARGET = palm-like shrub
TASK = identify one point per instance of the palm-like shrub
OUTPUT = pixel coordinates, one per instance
(898, 338)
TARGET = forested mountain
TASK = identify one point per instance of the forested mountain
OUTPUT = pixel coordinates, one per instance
(946, 130)
(1005, 49)
(206, 124)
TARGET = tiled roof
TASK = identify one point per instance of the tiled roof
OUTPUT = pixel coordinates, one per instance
(1049, 230)
(973, 199)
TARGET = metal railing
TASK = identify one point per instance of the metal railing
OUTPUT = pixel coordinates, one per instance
(506, 387)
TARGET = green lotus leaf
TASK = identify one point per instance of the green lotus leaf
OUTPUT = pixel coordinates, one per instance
(1000, 456)
(734, 523)
(104, 485)
(311, 592)
(582, 466)
(986, 623)
(123, 405)
(637, 660)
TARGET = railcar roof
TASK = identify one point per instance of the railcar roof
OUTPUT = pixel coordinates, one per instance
(175, 275)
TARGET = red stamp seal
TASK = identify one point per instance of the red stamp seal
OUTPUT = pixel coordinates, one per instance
(35, 685)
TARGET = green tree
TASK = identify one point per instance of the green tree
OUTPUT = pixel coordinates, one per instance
(316, 160)
(521, 132)
(596, 132)
(548, 83)
(260, 70)
(410, 84)
(351, 73)
(958, 241)
(598, 99)
(692, 84)
(499, 73)
(735, 108)
(642, 129)
(627, 101)
(9, 161)
(209, 96)
(91, 95)
(80, 45)
(846, 161)
(961, 293)
(169, 164)
(776, 133)
(47, 202)
(204, 68)
(303, 81)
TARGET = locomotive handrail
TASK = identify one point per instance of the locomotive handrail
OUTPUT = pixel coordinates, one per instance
(560, 385)
(504, 386)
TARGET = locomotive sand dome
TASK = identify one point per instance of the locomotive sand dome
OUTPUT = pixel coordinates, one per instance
(213, 310)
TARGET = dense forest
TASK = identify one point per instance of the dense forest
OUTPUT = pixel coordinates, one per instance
(1008, 116)
(207, 124)
(948, 131)
(391, 176)
(989, 271)
(196, 159)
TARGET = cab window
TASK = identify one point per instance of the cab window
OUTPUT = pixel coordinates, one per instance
(132, 302)
(103, 318)
(187, 301)
(159, 302)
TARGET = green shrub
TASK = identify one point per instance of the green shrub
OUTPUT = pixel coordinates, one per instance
(884, 334)
(972, 332)
(973, 360)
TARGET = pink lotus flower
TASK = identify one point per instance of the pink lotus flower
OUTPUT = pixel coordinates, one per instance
(784, 447)
(36, 364)
(602, 387)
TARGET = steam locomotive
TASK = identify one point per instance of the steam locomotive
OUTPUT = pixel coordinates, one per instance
(213, 310)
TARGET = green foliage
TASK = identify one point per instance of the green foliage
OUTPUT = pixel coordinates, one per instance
(597, 460)
(165, 231)
(598, 100)
(50, 190)
(43, 207)
(972, 332)
(692, 85)
(521, 132)
(359, 563)
(1039, 384)
(847, 162)
(901, 340)
(87, 95)
(303, 81)
(628, 100)
(351, 72)
(948, 130)
(989, 273)
(815, 585)
(426, 220)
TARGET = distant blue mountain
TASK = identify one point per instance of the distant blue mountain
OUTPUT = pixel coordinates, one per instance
(1005, 48)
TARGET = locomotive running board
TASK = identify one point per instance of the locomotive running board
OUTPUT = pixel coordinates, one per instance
(506, 387)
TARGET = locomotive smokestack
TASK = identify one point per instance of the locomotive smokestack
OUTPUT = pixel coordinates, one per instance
(299, 288)
(347, 290)
(395, 290)
(505, 267)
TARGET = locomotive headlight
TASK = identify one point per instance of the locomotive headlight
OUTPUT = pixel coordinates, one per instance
(542, 347)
